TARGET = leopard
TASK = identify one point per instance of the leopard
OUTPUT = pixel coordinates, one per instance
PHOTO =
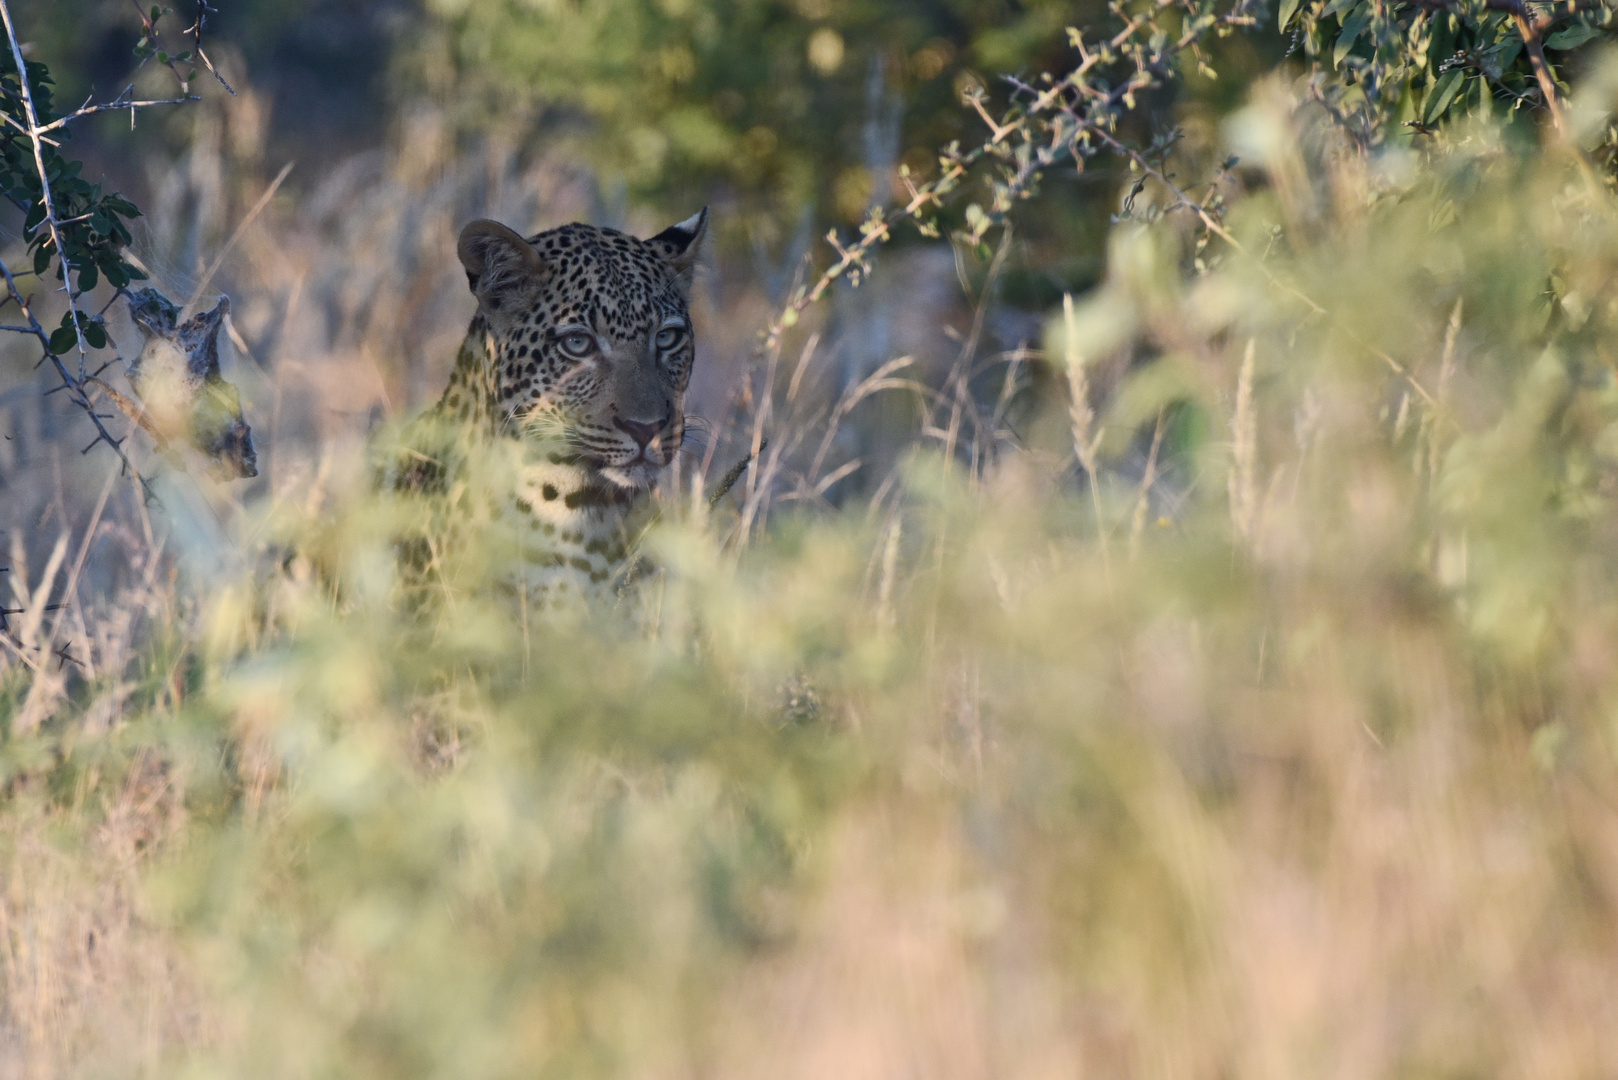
(573, 375)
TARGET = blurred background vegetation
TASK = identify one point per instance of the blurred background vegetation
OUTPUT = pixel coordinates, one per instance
(788, 117)
(1166, 628)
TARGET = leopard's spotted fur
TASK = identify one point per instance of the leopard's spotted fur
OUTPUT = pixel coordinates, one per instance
(575, 367)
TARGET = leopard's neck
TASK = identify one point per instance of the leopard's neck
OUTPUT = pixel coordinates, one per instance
(575, 527)
(473, 395)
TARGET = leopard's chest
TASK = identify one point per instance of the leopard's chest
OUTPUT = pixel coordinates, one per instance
(554, 532)
(574, 534)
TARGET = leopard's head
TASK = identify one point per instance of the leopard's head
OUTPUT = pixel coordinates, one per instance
(590, 332)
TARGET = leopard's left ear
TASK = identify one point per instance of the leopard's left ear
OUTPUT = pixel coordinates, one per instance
(680, 245)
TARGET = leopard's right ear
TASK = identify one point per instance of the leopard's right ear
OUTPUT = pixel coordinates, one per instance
(680, 245)
(499, 263)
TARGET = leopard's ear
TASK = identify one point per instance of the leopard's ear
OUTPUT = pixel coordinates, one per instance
(499, 263)
(680, 245)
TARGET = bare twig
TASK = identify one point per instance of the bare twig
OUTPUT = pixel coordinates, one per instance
(124, 100)
(1064, 121)
(76, 388)
(1531, 29)
(196, 44)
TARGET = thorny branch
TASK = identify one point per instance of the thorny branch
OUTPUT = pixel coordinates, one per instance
(150, 46)
(1071, 119)
(5, 619)
(1076, 117)
(76, 387)
(125, 100)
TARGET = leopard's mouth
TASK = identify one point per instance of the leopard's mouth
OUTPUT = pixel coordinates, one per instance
(649, 458)
(638, 474)
(632, 466)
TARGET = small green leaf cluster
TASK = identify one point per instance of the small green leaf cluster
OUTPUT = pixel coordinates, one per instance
(90, 223)
(1399, 68)
(150, 48)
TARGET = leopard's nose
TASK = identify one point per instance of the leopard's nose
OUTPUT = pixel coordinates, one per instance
(641, 433)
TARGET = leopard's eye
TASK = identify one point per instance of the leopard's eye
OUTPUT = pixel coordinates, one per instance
(578, 344)
(670, 336)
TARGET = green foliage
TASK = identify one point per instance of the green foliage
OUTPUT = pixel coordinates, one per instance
(557, 897)
(1414, 64)
(776, 100)
(90, 223)
(147, 47)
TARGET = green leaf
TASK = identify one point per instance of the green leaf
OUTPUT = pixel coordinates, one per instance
(1289, 8)
(1442, 95)
(63, 340)
(95, 334)
(1572, 37)
(88, 278)
(42, 259)
(1352, 29)
(1508, 52)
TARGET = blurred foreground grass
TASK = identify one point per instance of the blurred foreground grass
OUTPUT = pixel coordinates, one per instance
(1281, 745)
